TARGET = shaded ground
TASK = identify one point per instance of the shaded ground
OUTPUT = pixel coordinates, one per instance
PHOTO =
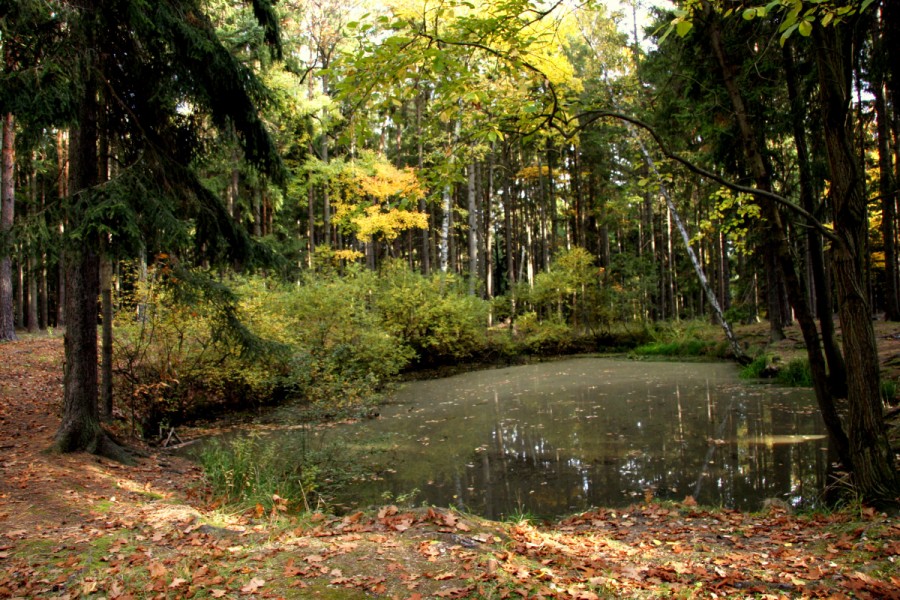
(78, 526)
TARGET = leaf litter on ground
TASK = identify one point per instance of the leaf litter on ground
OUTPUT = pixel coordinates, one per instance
(76, 526)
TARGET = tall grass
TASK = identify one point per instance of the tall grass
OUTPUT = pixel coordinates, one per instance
(692, 347)
(756, 368)
(796, 373)
(247, 471)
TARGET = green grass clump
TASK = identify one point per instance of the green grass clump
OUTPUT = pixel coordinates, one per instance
(691, 347)
(796, 373)
(889, 390)
(756, 368)
(247, 471)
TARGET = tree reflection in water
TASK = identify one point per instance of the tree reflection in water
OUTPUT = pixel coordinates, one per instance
(555, 438)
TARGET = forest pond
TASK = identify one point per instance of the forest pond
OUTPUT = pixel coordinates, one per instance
(559, 437)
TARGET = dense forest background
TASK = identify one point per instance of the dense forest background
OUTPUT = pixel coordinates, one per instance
(303, 199)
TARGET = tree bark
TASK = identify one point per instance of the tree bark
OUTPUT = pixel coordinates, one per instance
(873, 468)
(420, 160)
(62, 157)
(820, 293)
(80, 429)
(106, 362)
(32, 323)
(7, 210)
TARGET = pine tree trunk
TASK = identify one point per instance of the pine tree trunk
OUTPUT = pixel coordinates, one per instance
(420, 160)
(62, 150)
(42, 292)
(32, 323)
(106, 361)
(445, 229)
(79, 427)
(507, 222)
(489, 229)
(7, 209)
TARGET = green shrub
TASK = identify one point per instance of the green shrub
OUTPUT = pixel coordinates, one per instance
(537, 336)
(434, 315)
(335, 334)
(179, 355)
(181, 350)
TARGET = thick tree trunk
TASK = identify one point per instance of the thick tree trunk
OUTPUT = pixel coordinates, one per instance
(79, 428)
(7, 209)
(873, 468)
(106, 362)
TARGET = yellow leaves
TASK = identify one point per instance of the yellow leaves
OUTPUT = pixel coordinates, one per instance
(374, 200)
(386, 181)
(347, 255)
(389, 222)
(533, 173)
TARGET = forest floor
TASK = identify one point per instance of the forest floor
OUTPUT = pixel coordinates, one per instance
(77, 526)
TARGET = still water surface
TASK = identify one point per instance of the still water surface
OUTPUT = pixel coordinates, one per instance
(554, 438)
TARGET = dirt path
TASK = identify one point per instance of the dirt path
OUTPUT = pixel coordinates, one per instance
(76, 526)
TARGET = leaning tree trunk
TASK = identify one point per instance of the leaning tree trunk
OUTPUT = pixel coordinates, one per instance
(781, 248)
(711, 297)
(874, 471)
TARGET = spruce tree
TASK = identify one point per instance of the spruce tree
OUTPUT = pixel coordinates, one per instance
(158, 73)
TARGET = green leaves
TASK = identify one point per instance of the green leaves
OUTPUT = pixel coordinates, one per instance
(801, 17)
(797, 15)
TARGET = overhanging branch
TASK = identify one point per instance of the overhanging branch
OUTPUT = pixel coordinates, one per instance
(595, 115)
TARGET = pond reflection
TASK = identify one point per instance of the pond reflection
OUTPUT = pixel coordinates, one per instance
(555, 438)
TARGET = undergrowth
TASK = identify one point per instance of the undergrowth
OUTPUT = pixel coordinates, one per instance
(678, 348)
(249, 471)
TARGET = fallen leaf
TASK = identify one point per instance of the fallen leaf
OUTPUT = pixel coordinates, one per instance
(254, 585)
(157, 570)
(177, 583)
(388, 511)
